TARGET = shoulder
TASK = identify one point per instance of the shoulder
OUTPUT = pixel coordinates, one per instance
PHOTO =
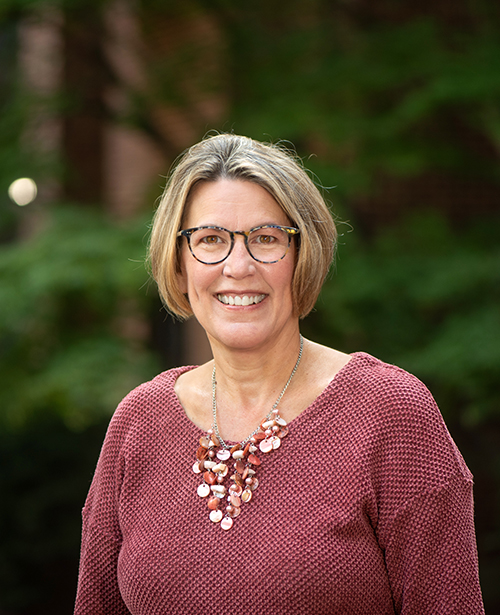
(401, 419)
(386, 387)
(149, 402)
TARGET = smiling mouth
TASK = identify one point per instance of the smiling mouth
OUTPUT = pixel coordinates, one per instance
(243, 300)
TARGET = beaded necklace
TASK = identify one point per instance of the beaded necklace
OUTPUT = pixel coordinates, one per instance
(213, 453)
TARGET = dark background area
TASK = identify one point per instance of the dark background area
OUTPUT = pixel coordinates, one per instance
(395, 109)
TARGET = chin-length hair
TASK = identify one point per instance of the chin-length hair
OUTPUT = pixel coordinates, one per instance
(274, 168)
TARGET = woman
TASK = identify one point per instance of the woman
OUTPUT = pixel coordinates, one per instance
(283, 476)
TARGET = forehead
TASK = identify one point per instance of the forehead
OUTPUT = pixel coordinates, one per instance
(232, 204)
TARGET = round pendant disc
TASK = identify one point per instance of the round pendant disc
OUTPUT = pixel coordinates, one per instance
(216, 516)
(226, 523)
(203, 490)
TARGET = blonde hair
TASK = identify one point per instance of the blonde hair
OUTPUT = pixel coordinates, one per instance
(228, 156)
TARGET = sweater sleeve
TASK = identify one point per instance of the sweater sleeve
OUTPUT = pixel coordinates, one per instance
(98, 592)
(425, 523)
(431, 556)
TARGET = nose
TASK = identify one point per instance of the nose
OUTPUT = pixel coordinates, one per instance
(239, 263)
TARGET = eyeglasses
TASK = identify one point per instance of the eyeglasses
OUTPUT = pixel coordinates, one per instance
(211, 245)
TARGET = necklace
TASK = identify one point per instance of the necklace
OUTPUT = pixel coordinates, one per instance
(213, 454)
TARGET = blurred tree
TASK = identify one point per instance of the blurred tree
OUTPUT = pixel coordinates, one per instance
(84, 114)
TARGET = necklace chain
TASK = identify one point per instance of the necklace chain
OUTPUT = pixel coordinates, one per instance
(215, 426)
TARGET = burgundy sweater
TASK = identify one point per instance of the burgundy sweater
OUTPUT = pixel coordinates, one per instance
(365, 509)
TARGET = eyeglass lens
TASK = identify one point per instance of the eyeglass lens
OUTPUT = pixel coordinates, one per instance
(266, 244)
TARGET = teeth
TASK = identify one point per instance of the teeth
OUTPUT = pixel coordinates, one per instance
(237, 300)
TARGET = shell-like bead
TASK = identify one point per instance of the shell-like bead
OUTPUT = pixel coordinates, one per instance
(235, 512)
(266, 446)
(275, 441)
(203, 490)
(240, 466)
(214, 440)
(223, 455)
(238, 479)
(226, 523)
(213, 502)
(260, 435)
(205, 442)
(254, 485)
(246, 496)
(210, 477)
(254, 460)
(236, 489)
(267, 425)
(238, 454)
(216, 516)
(196, 467)
(218, 490)
(201, 453)
(281, 421)
(235, 500)
(220, 468)
(209, 464)
(235, 448)
(253, 449)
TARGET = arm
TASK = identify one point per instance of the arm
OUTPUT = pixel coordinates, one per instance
(431, 554)
(425, 518)
(98, 592)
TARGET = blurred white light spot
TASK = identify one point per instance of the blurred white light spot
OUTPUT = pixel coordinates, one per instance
(23, 191)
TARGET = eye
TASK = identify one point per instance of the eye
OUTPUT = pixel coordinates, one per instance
(265, 238)
(211, 239)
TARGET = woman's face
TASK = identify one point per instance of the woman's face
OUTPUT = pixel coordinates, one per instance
(238, 206)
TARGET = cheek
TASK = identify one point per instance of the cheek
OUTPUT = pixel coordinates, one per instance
(196, 279)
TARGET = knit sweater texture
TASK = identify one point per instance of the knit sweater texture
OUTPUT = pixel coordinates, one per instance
(365, 509)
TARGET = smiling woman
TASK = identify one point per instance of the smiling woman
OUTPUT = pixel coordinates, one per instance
(282, 177)
(216, 291)
(281, 476)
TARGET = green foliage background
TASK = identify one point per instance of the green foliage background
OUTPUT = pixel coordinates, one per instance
(373, 99)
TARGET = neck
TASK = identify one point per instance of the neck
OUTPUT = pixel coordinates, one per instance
(249, 383)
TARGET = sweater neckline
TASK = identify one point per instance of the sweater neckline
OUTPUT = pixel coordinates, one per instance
(332, 387)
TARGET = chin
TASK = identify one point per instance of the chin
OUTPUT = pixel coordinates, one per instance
(242, 337)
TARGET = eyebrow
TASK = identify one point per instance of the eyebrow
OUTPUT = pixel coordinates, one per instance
(289, 224)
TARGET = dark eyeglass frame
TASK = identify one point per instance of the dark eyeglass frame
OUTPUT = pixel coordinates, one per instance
(289, 230)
